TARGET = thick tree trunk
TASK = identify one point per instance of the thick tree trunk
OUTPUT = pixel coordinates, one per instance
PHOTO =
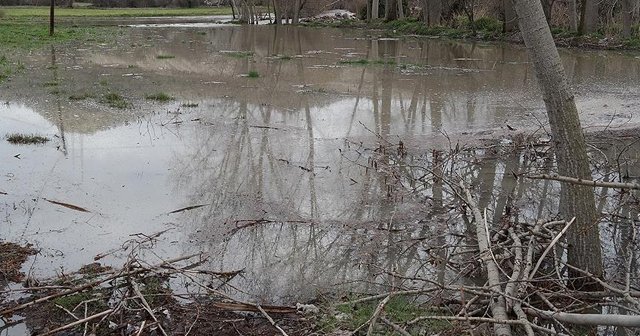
(627, 18)
(375, 7)
(588, 17)
(547, 6)
(276, 12)
(576, 201)
(510, 17)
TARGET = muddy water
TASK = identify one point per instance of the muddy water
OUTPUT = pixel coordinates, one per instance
(280, 162)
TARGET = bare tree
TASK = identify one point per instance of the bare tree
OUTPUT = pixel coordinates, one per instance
(432, 12)
(510, 18)
(584, 250)
(572, 8)
(375, 6)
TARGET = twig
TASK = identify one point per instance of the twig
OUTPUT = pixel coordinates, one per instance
(142, 328)
(145, 304)
(394, 326)
(273, 323)
(376, 314)
(73, 324)
(546, 251)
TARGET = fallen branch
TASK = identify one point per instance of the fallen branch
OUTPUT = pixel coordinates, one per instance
(590, 183)
(629, 321)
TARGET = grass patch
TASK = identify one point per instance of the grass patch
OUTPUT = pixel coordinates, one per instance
(238, 54)
(253, 74)
(50, 84)
(165, 57)
(160, 96)
(43, 11)
(190, 105)
(398, 309)
(80, 96)
(363, 61)
(26, 33)
(26, 139)
(115, 100)
(71, 301)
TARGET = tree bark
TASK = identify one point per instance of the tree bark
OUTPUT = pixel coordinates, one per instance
(588, 17)
(584, 249)
(400, 9)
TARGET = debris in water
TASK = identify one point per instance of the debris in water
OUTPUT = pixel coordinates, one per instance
(67, 205)
(188, 208)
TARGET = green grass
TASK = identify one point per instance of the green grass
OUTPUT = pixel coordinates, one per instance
(253, 74)
(165, 56)
(80, 96)
(115, 100)
(363, 61)
(43, 11)
(398, 309)
(26, 139)
(24, 33)
(160, 97)
(238, 54)
(190, 105)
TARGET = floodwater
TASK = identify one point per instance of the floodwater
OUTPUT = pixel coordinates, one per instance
(283, 162)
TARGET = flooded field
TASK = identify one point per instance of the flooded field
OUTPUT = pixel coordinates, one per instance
(271, 148)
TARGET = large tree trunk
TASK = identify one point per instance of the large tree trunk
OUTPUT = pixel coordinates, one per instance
(584, 249)
(510, 17)
(547, 6)
(627, 17)
(588, 17)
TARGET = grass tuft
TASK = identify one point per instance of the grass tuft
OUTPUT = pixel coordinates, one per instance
(115, 100)
(160, 96)
(26, 139)
(190, 105)
(165, 57)
(238, 54)
(253, 74)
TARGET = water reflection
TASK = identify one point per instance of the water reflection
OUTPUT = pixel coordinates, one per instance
(304, 170)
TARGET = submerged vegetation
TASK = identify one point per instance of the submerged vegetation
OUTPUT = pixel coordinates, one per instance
(160, 97)
(253, 74)
(115, 100)
(26, 139)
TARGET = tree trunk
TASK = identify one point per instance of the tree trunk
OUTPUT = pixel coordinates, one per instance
(434, 12)
(584, 249)
(510, 17)
(276, 13)
(588, 17)
(375, 7)
(400, 9)
(296, 11)
(627, 18)
(391, 10)
(52, 5)
(572, 7)
(547, 6)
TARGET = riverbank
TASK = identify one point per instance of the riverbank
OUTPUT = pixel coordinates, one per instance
(43, 11)
(486, 29)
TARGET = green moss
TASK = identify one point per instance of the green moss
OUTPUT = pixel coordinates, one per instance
(26, 139)
(160, 96)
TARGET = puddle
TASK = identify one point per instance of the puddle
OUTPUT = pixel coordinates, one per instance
(268, 174)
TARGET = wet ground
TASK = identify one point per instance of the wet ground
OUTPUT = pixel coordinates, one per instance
(262, 147)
